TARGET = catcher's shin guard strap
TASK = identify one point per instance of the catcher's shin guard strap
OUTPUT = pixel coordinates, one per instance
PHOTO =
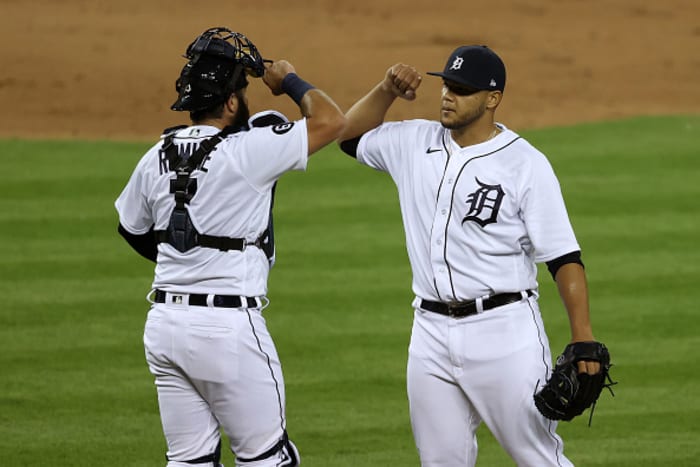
(210, 459)
(289, 455)
(295, 87)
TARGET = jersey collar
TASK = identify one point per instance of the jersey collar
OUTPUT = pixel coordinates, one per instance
(454, 148)
(197, 131)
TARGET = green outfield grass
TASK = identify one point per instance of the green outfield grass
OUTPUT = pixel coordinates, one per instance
(75, 390)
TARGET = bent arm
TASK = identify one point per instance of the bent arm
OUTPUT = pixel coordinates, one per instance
(367, 113)
(370, 111)
(324, 119)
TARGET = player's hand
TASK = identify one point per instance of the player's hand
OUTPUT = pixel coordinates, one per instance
(402, 81)
(275, 73)
(590, 367)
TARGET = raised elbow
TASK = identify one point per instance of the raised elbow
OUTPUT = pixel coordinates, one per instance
(337, 124)
(325, 129)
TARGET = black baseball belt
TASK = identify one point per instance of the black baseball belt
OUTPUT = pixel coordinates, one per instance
(220, 301)
(463, 309)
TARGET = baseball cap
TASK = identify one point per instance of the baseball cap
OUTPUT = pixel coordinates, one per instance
(476, 66)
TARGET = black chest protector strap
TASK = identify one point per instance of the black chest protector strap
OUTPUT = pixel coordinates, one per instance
(181, 234)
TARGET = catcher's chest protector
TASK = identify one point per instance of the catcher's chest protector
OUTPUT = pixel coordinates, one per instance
(181, 233)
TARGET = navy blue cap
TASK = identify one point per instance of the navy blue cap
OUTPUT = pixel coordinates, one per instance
(476, 66)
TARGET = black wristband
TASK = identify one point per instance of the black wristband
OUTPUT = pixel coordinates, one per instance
(295, 87)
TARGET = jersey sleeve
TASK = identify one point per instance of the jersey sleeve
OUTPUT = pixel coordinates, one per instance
(380, 148)
(544, 213)
(132, 204)
(268, 152)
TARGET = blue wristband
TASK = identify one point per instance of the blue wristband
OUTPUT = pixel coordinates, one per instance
(295, 87)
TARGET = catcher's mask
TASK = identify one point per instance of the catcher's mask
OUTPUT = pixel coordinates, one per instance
(218, 62)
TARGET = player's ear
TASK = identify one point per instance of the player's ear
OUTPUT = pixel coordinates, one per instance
(231, 104)
(493, 99)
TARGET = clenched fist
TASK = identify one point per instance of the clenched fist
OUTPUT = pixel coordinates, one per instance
(402, 80)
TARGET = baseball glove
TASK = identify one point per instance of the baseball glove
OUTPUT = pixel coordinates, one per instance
(568, 393)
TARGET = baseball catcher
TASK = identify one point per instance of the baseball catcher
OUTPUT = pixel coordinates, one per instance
(199, 204)
(569, 392)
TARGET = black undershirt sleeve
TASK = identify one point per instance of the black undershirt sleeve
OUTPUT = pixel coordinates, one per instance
(555, 264)
(145, 244)
(349, 146)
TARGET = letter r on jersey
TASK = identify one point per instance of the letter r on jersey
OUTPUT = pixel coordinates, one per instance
(484, 204)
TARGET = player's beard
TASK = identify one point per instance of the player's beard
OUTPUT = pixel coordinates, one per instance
(464, 120)
(242, 113)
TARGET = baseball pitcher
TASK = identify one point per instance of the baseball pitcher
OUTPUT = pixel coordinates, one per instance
(480, 207)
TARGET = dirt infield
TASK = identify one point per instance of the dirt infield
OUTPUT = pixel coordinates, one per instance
(106, 69)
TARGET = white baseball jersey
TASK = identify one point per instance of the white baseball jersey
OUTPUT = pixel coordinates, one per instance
(215, 368)
(232, 200)
(476, 218)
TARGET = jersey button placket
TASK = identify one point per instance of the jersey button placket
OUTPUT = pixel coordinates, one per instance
(440, 220)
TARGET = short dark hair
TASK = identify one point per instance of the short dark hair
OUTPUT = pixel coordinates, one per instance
(215, 111)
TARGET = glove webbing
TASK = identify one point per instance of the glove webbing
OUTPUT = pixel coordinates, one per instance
(607, 385)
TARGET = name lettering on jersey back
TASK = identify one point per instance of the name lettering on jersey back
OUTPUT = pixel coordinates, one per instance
(184, 151)
(484, 204)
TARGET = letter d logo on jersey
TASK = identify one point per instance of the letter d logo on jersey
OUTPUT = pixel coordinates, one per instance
(484, 204)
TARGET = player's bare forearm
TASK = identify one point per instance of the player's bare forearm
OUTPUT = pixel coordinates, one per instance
(324, 119)
(369, 112)
(573, 290)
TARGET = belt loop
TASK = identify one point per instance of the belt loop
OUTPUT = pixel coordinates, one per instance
(479, 302)
(210, 300)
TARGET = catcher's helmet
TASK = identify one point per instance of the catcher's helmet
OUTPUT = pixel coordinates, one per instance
(218, 62)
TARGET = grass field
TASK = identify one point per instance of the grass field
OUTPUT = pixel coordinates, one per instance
(75, 390)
